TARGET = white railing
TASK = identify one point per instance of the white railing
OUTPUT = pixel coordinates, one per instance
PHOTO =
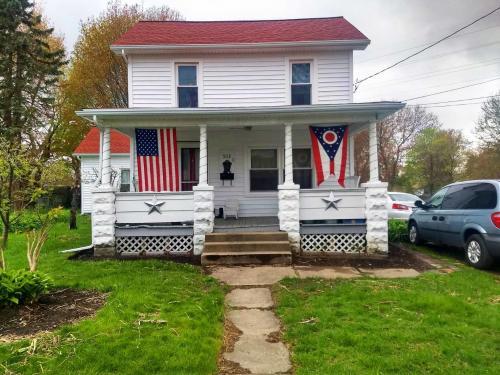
(350, 204)
(132, 208)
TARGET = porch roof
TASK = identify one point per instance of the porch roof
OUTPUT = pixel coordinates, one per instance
(244, 116)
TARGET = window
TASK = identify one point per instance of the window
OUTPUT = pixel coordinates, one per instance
(125, 180)
(470, 196)
(190, 159)
(437, 199)
(264, 170)
(187, 86)
(301, 83)
(402, 197)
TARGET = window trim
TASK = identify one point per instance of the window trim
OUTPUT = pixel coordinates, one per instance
(312, 78)
(129, 180)
(177, 85)
(179, 152)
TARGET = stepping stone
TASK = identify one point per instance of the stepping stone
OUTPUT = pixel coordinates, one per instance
(262, 275)
(390, 273)
(327, 272)
(254, 353)
(255, 322)
(253, 298)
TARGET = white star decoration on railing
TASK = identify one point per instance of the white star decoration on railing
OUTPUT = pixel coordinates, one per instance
(154, 205)
(331, 201)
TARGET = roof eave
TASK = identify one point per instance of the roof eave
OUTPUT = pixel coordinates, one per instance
(356, 44)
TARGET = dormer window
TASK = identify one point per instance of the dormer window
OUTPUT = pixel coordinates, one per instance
(301, 83)
(187, 85)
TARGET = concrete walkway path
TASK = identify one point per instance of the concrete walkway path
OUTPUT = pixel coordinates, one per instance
(258, 349)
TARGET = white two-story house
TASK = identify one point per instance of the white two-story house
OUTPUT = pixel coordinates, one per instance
(244, 127)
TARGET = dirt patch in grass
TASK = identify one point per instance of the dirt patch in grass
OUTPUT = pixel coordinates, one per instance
(397, 258)
(231, 335)
(61, 306)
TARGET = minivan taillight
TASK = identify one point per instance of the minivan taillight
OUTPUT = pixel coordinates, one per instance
(397, 206)
(495, 218)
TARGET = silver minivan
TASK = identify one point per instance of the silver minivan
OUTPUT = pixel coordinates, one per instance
(463, 214)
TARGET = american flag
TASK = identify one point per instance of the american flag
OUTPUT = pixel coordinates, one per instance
(157, 159)
(326, 142)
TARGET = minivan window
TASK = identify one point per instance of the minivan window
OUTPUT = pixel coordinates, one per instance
(473, 196)
(437, 198)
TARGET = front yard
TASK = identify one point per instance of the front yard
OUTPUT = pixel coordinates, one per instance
(184, 307)
(435, 323)
(162, 317)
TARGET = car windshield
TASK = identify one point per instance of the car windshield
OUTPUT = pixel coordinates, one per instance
(403, 197)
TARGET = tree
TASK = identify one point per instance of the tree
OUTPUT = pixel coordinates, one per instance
(97, 77)
(488, 125)
(30, 67)
(396, 135)
(435, 160)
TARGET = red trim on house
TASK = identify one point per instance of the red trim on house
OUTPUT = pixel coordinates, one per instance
(120, 143)
(234, 32)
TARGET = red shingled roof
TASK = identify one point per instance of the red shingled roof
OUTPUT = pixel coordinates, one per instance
(120, 143)
(229, 32)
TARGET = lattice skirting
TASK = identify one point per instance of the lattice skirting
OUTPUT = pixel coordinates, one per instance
(154, 245)
(333, 243)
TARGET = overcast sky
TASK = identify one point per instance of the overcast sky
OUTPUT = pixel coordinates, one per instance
(396, 29)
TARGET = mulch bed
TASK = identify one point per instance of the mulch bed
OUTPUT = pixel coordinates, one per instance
(60, 306)
(398, 258)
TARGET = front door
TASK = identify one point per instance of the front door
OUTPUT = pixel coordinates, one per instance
(190, 159)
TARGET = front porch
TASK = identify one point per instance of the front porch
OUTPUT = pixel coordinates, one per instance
(272, 185)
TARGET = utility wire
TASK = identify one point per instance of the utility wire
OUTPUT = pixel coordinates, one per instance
(455, 89)
(451, 105)
(358, 82)
(420, 45)
(458, 100)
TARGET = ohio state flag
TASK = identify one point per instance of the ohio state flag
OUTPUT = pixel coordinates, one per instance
(329, 146)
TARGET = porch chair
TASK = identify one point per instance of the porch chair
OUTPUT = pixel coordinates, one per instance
(352, 182)
(231, 208)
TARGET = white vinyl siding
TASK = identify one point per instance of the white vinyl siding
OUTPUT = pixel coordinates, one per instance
(334, 78)
(88, 169)
(152, 81)
(240, 80)
(244, 81)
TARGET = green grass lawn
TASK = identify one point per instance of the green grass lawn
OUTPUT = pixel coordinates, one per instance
(436, 323)
(112, 341)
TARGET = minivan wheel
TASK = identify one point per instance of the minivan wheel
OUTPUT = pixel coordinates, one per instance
(476, 253)
(413, 234)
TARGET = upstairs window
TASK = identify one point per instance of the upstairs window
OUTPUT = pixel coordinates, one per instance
(301, 83)
(187, 86)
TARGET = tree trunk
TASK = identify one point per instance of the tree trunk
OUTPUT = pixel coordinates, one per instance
(74, 208)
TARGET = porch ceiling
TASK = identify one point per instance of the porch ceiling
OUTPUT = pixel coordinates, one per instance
(243, 116)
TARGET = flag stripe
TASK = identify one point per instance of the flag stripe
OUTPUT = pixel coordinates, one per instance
(317, 157)
(344, 158)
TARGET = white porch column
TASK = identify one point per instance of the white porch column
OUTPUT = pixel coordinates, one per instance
(132, 161)
(289, 194)
(377, 237)
(373, 152)
(203, 195)
(103, 204)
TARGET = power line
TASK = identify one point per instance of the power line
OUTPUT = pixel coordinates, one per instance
(458, 100)
(358, 82)
(455, 89)
(434, 73)
(421, 45)
(451, 105)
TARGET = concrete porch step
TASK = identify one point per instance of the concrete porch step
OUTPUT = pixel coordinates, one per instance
(246, 236)
(244, 258)
(246, 248)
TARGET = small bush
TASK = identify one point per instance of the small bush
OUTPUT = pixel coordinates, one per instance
(22, 287)
(398, 230)
(32, 219)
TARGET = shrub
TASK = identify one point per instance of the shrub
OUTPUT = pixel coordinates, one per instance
(33, 219)
(398, 230)
(22, 287)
